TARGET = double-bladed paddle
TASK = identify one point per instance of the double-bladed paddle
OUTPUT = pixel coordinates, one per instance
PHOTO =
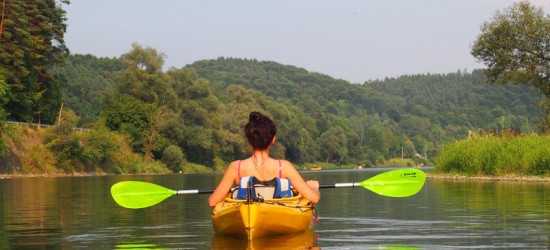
(396, 183)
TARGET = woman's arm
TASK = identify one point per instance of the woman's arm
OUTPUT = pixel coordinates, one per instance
(224, 186)
(308, 190)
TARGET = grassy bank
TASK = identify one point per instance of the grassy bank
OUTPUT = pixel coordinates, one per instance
(48, 152)
(527, 155)
(507, 178)
(398, 162)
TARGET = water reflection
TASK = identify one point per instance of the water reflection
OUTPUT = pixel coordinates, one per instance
(78, 212)
(303, 240)
(139, 246)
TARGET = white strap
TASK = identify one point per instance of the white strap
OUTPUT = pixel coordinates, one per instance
(244, 182)
(285, 185)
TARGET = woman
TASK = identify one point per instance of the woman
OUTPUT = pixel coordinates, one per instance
(260, 133)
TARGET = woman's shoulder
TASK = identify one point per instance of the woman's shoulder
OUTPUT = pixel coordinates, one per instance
(284, 162)
(286, 165)
(236, 161)
(234, 165)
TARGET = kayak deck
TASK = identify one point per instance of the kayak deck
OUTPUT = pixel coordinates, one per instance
(258, 219)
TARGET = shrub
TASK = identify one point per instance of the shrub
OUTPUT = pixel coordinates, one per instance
(173, 158)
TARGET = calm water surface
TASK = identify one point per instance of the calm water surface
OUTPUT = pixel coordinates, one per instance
(79, 213)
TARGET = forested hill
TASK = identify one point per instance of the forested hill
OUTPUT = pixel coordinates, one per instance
(463, 99)
(320, 118)
(456, 101)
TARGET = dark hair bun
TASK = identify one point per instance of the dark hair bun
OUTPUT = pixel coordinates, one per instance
(255, 117)
(259, 130)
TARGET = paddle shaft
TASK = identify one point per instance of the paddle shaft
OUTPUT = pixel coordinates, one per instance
(195, 191)
(209, 191)
(340, 185)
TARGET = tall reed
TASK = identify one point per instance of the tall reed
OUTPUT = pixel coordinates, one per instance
(496, 156)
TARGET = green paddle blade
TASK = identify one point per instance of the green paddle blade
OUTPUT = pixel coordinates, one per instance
(397, 183)
(138, 194)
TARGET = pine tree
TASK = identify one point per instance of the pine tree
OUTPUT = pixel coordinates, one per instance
(31, 42)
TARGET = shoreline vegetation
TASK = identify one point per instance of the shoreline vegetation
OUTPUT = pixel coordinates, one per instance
(499, 156)
(429, 175)
(508, 178)
(505, 156)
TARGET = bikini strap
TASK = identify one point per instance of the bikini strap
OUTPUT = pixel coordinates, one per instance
(239, 169)
(280, 170)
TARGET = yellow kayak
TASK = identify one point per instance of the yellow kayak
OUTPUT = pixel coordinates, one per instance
(256, 219)
(301, 240)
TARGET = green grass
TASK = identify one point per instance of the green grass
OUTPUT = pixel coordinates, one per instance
(189, 168)
(398, 162)
(496, 156)
(323, 165)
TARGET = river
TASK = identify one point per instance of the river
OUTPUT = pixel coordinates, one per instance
(79, 213)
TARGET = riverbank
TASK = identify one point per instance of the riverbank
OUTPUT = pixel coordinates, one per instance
(429, 175)
(515, 178)
(9, 176)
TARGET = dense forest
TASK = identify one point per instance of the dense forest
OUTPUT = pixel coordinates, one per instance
(197, 112)
(142, 117)
(384, 118)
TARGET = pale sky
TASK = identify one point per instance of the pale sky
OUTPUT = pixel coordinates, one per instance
(353, 40)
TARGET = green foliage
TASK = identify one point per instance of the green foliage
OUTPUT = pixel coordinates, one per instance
(28, 154)
(32, 42)
(84, 80)
(4, 129)
(515, 45)
(143, 78)
(63, 141)
(128, 116)
(429, 110)
(522, 155)
(4, 134)
(398, 162)
(173, 158)
(202, 108)
(334, 141)
(99, 148)
(189, 168)
(199, 113)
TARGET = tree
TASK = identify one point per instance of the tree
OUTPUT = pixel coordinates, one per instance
(515, 46)
(375, 141)
(4, 131)
(150, 101)
(333, 142)
(32, 41)
(173, 157)
(129, 116)
(144, 79)
(198, 117)
(63, 141)
(84, 79)
(100, 148)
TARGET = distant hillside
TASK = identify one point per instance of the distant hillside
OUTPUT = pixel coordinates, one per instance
(426, 110)
(464, 99)
(460, 99)
(320, 118)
